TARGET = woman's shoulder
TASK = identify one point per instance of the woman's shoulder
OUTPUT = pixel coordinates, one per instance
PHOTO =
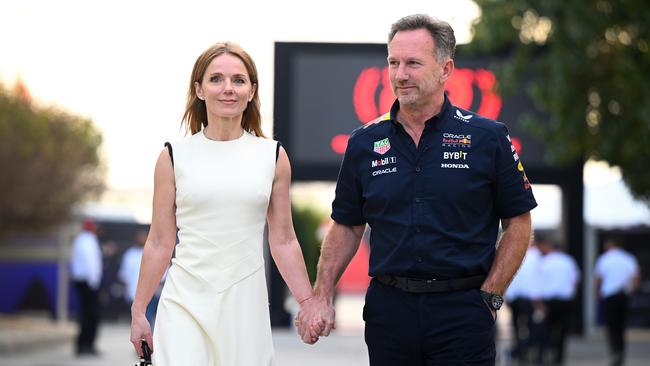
(262, 140)
(184, 140)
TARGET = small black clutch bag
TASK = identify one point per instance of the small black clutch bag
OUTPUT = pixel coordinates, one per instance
(145, 360)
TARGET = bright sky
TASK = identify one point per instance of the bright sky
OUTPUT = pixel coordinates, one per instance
(126, 64)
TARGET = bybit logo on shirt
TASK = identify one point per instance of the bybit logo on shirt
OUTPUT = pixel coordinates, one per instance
(454, 155)
(457, 157)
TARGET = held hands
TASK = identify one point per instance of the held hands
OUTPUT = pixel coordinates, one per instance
(140, 329)
(315, 319)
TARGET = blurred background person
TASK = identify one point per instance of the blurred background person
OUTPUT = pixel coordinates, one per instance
(130, 270)
(86, 275)
(560, 277)
(616, 277)
(519, 296)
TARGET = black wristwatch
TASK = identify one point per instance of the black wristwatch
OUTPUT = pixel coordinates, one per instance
(493, 300)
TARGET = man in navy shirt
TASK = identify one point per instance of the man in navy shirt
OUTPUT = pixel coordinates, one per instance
(433, 182)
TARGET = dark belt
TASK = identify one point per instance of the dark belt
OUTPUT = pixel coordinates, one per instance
(431, 285)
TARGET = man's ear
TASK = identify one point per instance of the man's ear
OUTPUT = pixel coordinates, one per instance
(447, 70)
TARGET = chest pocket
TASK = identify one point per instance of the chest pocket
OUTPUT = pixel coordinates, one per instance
(383, 178)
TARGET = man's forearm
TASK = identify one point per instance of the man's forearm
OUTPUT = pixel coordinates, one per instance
(339, 246)
(510, 253)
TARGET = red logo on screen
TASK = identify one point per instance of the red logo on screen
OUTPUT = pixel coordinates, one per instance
(373, 96)
(367, 104)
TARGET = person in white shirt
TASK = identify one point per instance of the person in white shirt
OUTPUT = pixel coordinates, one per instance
(519, 296)
(560, 276)
(86, 275)
(130, 270)
(616, 277)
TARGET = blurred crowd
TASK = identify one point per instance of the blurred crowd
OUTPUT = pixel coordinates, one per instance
(541, 299)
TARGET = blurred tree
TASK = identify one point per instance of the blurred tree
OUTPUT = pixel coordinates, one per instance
(306, 221)
(49, 161)
(589, 62)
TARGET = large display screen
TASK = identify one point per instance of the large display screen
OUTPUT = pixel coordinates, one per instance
(323, 91)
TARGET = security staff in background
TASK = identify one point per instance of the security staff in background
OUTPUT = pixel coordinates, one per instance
(522, 298)
(86, 275)
(433, 181)
(561, 277)
(616, 276)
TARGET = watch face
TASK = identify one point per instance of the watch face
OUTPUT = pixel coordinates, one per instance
(497, 301)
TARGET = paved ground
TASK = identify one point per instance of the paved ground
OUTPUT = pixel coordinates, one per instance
(36, 342)
(339, 349)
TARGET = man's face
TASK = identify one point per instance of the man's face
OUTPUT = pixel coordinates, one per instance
(414, 71)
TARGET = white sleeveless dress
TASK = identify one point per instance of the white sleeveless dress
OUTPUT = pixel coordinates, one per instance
(214, 306)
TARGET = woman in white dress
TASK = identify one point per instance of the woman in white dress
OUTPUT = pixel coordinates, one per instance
(219, 187)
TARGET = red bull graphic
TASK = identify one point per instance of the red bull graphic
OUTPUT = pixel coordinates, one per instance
(373, 96)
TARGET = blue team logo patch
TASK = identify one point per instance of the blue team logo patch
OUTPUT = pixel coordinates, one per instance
(382, 146)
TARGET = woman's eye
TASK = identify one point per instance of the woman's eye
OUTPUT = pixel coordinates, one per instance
(239, 81)
(215, 78)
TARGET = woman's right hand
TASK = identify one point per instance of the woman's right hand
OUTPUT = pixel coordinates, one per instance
(140, 329)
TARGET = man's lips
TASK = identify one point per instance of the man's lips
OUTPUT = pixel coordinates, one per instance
(405, 88)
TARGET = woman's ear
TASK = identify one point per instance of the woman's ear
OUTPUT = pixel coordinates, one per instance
(252, 94)
(198, 90)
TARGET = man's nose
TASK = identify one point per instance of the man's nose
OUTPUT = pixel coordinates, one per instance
(401, 74)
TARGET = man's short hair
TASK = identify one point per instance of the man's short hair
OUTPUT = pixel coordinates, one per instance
(441, 32)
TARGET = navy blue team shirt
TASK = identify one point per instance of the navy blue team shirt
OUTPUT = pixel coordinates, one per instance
(434, 210)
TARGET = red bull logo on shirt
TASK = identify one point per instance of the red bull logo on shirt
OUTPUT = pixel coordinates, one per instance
(456, 140)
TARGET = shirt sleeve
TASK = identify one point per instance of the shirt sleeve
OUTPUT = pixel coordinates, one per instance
(514, 195)
(347, 207)
(93, 258)
(576, 270)
(635, 264)
(598, 267)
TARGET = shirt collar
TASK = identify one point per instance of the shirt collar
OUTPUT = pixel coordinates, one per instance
(436, 120)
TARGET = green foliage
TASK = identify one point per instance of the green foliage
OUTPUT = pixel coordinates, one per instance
(49, 162)
(590, 61)
(306, 221)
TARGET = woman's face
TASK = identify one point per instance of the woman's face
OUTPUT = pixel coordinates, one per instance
(226, 87)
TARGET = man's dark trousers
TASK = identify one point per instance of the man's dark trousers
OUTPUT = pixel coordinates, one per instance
(558, 316)
(440, 328)
(88, 317)
(522, 322)
(616, 318)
